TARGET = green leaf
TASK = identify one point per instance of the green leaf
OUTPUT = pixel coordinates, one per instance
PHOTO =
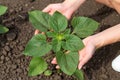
(39, 20)
(37, 66)
(56, 45)
(47, 72)
(3, 29)
(37, 46)
(73, 43)
(51, 34)
(84, 26)
(58, 22)
(79, 74)
(67, 61)
(67, 31)
(3, 9)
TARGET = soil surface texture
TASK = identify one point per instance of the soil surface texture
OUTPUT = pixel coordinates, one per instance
(14, 65)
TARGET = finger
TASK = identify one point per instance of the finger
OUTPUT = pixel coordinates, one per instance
(47, 9)
(80, 56)
(106, 2)
(52, 12)
(84, 60)
(42, 32)
(54, 61)
(57, 67)
(36, 31)
(68, 15)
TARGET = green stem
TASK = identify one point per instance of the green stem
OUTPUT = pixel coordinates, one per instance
(49, 56)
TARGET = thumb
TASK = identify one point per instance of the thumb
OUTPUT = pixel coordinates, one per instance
(83, 61)
(47, 9)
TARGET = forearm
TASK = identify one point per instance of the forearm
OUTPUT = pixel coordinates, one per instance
(108, 36)
(116, 5)
(73, 4)
(111, 3)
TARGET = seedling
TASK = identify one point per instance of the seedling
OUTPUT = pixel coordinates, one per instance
(64, 42)
(3, 29)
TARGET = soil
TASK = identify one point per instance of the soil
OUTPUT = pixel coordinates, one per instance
(14, 65)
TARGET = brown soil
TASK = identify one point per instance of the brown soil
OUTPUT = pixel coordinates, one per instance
(14, 65)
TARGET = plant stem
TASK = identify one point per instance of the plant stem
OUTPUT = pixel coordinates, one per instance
(49, 56)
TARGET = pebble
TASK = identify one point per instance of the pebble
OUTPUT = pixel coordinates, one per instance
(2, 57)
(103, 76)
(18, 61)
(20, 48)
(7, 70)
(4, 52)
(19, 78)
(1, 62)
(11, 10)
(3, 72)
(9, 54)
(7, 44)
(11, 46)
(7, 48)
(14, 66)
(19, 70)
(7, 58)
(9, 62)
(26, 5)
(11, 36)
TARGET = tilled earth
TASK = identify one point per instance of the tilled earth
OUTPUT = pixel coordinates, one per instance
(14, 65)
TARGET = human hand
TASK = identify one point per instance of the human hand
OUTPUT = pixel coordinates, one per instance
(85, 54)
(61, 7)
(111, 3)
(67, 8)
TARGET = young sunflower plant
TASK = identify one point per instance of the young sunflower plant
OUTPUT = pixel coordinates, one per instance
(63, 41)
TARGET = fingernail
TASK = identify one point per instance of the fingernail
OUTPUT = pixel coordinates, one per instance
(52, 62)
(57, 67)
(79, 67)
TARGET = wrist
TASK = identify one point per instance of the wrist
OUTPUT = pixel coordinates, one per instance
(73, 5)
(116, 5)
(98, 41)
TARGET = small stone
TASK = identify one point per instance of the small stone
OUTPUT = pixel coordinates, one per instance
(14, 66)
(18, 61)
(7, 70)
(3, 72)
(9, 54)
(19, 78)
(19, 70)
(20, 48)
(7, 58)
(9, 62)
(7, 44)
(11, 10)
(1, 62)
(11, 46)
(11, 36)
(7, 48)
(2, 57)
(103, 76)
(4, 52)
(14, 43)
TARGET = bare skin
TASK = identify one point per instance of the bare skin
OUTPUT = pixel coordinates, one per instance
(108, 36)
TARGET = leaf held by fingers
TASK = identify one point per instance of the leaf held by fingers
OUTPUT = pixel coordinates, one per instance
(39, 20)
(67, 61)
(58, 22)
